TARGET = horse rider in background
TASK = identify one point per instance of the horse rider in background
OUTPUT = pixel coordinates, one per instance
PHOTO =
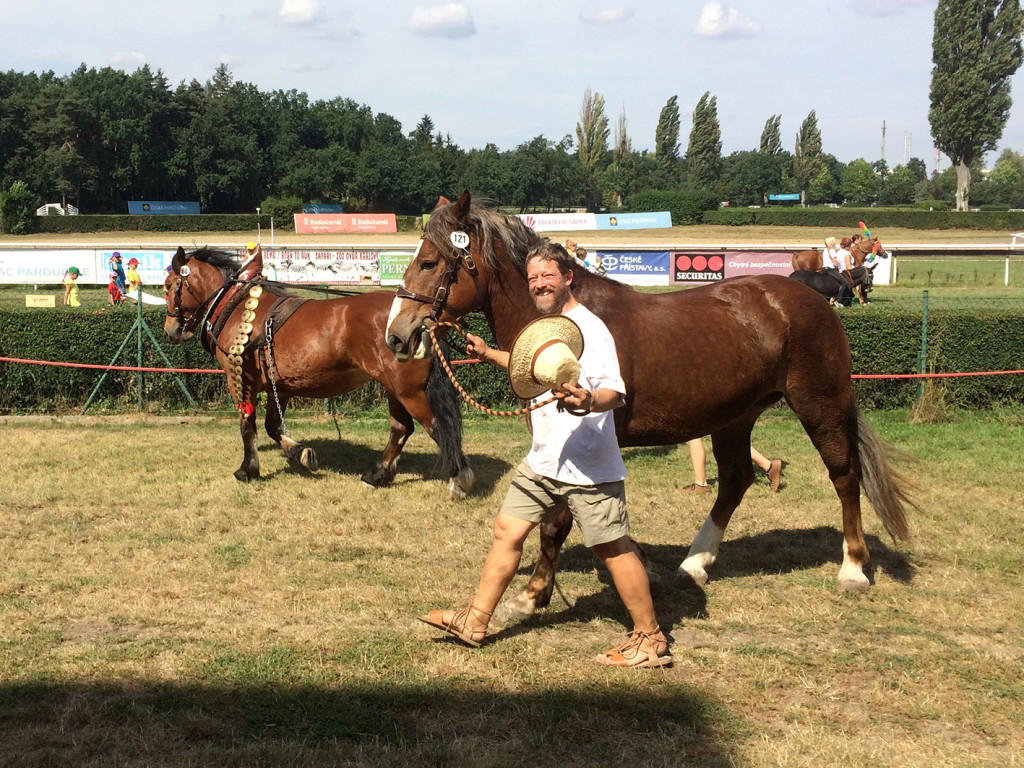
(834, 259)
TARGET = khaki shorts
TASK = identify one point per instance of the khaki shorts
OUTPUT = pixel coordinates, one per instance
(599, 510)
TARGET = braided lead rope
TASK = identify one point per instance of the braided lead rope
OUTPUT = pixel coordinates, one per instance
(459, 388)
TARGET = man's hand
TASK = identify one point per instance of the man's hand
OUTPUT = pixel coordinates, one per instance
(576, 397)
(478, 348)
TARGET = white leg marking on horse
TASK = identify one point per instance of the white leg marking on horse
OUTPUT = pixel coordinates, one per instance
(703, 552)
(459, 486)
(851, 576)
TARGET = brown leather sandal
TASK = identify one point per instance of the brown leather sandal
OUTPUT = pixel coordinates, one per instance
(456, 626)
(641, 649)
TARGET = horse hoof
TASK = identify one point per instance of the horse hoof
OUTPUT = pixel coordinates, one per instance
(243, 477)
(308, 459)
(853, 585)
(692, 573)
(378, 477)
(520, 605)
(460, 485)
(455, 491)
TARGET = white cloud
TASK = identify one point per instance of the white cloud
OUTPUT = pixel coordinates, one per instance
(886, 7)
(127, 61)
(717, 20)
(449, 20)
(299, 11)
(616, 15)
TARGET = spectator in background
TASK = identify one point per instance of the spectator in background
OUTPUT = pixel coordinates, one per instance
(700, 476)
(71, 287)
(114, 293)
(118, 269)
(134, 281)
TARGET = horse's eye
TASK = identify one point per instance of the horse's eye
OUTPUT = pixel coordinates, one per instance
(427, 266)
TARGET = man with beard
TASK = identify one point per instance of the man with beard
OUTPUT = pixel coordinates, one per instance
(574, 462)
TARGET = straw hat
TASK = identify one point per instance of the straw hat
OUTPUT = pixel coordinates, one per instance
(830, 242)
(545, 355)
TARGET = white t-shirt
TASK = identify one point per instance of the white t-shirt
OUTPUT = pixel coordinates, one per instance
(582, 450)
(828, 258)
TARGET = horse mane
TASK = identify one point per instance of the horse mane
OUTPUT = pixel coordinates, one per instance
(226, 261)
(516, 238)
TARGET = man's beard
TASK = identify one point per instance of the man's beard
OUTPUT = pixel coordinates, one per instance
(551, 303)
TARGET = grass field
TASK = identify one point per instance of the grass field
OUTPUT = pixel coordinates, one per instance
(154, 612)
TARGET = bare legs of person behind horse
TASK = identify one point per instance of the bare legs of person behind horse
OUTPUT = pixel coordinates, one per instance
(698, 457)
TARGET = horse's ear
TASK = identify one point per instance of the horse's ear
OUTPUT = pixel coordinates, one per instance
(461, 208)
(441, 201)
(179, 260)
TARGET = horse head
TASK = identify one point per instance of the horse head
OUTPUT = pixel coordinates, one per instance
(452, 271)
(863, 249)
(194, 281)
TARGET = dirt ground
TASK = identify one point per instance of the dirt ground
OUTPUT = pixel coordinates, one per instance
(676, 237)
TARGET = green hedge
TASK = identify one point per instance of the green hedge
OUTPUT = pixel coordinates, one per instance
(883, 340)
(686, 207)
(206, 222)
(876, 218)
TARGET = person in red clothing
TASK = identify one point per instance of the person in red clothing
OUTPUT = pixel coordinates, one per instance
(114, 295)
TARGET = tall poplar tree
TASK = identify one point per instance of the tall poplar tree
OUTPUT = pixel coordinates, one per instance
(592, 132)
(976, 49)
(771, 136)
(704, 152)
(592, 143)
(666, 135)
(807, 160)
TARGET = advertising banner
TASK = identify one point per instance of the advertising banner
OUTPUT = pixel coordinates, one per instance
(323, 267)
(637, 267)
(654, 220)
(162, 208)
(393, 265)
(709, 267)
(37, 267)
(558, 222)
(327, 223)
(152, 267)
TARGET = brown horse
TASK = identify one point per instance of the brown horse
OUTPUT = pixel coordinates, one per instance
(703, 361)
(860, 276)
(269, 341)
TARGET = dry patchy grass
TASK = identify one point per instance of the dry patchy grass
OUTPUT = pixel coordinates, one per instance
(153, 611)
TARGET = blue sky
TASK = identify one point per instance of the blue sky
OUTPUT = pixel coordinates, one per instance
(504, 72)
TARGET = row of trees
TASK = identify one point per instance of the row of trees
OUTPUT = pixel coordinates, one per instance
(98, 138)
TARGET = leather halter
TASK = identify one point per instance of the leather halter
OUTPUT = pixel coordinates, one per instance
(197, 317)
(439, 301)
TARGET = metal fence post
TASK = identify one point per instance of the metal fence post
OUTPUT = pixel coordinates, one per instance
(922, 355)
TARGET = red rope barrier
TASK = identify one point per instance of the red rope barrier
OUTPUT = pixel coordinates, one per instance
(463, 362)
(111, 367)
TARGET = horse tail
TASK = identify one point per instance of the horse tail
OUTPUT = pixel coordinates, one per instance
(447, 411)
(886, 489)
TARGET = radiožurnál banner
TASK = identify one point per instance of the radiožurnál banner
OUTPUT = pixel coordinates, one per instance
(328, 223)
(163, 208)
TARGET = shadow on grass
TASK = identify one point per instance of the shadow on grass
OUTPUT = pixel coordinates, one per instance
(678, 599)
(777, 551)
(355, 459)
(379, 723)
